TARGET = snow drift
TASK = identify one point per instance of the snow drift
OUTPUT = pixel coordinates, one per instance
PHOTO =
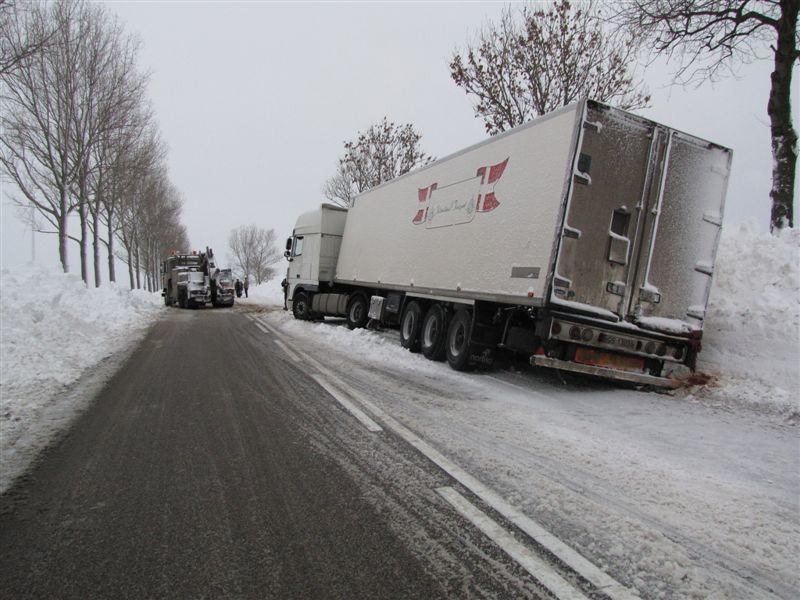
(751, 338)
(53, 330)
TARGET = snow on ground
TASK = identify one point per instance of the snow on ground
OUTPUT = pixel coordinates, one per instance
(53, 330)
(751, 338)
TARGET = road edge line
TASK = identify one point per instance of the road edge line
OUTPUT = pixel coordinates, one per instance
(565, 553)
(349, 406)
(539, 569)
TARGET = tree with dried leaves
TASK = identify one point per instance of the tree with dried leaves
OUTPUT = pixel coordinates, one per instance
(381, 153)
(254, 251)
(710, 38)
(534, 61)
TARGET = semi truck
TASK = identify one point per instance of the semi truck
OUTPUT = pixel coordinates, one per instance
(584, 239)
(191, 280)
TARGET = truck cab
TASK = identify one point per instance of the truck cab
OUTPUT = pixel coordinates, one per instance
(312, 252)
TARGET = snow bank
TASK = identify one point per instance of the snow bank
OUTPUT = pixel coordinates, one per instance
(269, 292)
(751, 337)
(53, 330)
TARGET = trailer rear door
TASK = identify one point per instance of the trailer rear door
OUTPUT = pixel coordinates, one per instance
(641, 223)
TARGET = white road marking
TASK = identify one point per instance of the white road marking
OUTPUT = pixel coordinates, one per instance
(349, 406)
(577, 562)
(539, 569)
(573, 559)
(268, 326)
(287, 350)
(261, 327)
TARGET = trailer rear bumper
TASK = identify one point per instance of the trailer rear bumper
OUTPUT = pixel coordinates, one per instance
(644, 379)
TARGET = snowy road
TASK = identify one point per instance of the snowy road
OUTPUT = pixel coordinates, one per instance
(213, 465)
(244, 454)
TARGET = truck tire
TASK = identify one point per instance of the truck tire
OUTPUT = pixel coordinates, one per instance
(357, 311)
(301, 306)
(410, 325)
(433, 334)
(458, 340)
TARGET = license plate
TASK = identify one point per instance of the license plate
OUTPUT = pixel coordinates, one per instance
(613, 340)
(598, 358)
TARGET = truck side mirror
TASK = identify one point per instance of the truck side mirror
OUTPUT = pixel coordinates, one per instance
(288, 246)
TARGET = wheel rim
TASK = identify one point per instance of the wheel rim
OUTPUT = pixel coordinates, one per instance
(457, 340)
(356, 312)
(408, 325)
(431, 332)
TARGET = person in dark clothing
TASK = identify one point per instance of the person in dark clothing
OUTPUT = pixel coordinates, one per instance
(238, 287)
(246, 285)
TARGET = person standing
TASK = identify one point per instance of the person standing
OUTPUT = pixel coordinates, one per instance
(238, 287)
(246, 285)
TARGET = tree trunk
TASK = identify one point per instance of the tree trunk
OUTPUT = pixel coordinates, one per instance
(82, 212)
(779, 108)
(62, 235)
(112, 274)
(138, 269)
(96, 242)
(130, 265)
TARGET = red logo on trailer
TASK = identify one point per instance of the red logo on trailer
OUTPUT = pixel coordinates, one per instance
(478, 190)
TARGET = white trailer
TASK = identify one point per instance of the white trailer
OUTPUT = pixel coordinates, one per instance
(585, 239)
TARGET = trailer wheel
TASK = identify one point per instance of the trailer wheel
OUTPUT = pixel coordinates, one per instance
(357, 311)
(458, 340)
(301, 308)
(410, 326)
(434, 333)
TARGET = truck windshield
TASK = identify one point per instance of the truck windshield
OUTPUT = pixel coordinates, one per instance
(196, 276)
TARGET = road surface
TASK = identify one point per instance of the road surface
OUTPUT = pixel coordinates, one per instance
(213, 465)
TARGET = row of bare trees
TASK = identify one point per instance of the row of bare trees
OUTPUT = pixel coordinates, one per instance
(79, 140)
(537, 58)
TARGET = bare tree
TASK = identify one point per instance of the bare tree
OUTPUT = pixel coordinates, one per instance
(384, 151)
(37, 114)
(121, 157)
(533, 61)
(123, 190)
(709, 38)
(106, 90)
(254, 251)
(119, 117)
(23, 33)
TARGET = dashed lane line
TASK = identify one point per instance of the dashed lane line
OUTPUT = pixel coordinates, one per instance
(539, 569)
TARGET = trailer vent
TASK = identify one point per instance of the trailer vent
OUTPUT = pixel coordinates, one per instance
(585, 163)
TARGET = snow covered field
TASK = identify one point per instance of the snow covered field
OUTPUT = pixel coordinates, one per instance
(693, 494)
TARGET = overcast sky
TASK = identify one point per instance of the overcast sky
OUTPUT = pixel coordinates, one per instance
(255, 100)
